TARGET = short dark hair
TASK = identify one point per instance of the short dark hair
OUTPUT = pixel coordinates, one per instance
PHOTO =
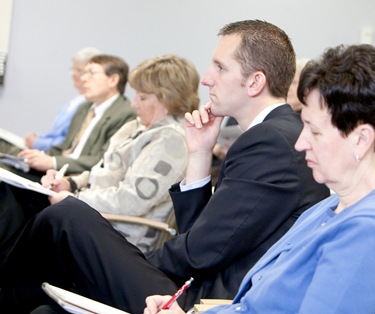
(113, 65)
(345, 78)
(264, 47)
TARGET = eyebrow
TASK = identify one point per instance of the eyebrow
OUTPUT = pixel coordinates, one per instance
(216, 61)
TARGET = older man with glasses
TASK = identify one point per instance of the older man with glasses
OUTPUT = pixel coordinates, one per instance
(104, 80)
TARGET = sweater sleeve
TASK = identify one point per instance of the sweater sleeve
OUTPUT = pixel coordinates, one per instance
(145, 183)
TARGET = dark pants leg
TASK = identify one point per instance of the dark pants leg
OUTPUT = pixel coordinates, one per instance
(71, 246)
(17, 206)
(49, 309)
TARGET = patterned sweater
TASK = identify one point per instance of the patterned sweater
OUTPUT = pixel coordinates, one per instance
(135, 174)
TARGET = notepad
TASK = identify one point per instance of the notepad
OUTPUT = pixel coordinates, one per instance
(15, 162)
(23, 183)
(77, 304)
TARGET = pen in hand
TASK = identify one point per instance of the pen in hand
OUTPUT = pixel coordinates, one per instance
(178, 293)
(60, 174)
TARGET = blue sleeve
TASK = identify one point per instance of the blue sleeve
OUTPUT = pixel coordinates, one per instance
(58, 130)
(45, 141)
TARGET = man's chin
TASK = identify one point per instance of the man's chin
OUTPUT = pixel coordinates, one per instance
(216, 111)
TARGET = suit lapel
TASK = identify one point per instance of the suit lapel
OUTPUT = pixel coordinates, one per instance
(108, 114)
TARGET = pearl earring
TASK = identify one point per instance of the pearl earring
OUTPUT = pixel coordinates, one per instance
(357, 158)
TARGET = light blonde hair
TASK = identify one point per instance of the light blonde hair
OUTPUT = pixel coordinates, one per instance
(174, 81)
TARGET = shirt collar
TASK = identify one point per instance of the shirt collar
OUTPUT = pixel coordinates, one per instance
(263, 114)
(99, 109)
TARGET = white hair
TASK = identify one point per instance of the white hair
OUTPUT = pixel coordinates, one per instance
(85, 54)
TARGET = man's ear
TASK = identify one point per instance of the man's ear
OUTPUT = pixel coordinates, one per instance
(114, 80)
(256, 83)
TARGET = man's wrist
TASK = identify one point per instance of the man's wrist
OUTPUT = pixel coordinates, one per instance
(194, 185)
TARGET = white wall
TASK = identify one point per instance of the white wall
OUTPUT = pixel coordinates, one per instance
(45, 34)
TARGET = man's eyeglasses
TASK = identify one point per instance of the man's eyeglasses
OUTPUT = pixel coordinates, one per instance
(91, 73)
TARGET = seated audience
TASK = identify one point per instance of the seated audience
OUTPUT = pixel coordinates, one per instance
(326, 262)
(144, 158)
(146, 155)
(104, 80)
(60, 126)
(263, 187)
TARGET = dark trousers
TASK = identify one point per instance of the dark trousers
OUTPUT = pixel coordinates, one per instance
(71, 246)
(17, 206)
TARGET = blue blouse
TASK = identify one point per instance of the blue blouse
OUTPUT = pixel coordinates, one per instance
(324, 264)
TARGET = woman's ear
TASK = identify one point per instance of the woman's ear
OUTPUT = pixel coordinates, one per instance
(365, 135)
(255, 83)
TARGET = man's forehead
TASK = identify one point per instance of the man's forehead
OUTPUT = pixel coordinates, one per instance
(92, 65)
(226, 48)
(228, 43)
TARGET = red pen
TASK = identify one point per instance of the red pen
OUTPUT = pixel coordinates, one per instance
(178, 293)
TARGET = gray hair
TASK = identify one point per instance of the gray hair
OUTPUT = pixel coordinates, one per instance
(85, 54)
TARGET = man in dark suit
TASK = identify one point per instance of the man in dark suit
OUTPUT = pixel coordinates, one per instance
(263, 186)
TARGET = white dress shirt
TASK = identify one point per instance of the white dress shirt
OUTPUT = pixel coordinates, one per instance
(99, 112)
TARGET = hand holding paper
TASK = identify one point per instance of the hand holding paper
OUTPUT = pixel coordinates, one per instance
(23, 183)
(37, 159)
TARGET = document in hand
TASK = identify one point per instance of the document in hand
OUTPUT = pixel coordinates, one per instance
(12, 138)
(15, 162)
(77, 304)
(23, 183)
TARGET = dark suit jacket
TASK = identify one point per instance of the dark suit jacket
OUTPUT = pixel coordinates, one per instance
(113, 119)
(263, 186)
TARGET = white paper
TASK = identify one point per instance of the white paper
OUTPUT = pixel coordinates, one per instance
(23, 183)
(12, 138)
(77, 304)
(15, 162)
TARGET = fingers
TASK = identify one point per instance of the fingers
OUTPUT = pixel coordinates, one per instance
(153, 303)
(46, 181)
(37, 159)
(199, 117)
(31, 154)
